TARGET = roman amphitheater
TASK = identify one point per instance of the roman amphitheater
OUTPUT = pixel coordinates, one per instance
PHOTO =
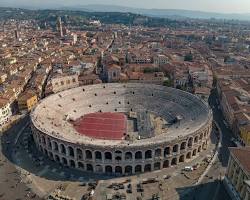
(121, 128)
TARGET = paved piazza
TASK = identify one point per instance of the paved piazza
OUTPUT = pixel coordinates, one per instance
(165, 127)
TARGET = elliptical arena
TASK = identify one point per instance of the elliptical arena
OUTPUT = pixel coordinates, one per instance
(121, 129)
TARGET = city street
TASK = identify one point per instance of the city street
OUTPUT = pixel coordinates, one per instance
(211, 187)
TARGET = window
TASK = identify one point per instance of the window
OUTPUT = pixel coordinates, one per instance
(68, 82)
(73, 80)
(62, 83)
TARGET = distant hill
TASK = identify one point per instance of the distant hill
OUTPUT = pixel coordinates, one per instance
(165, 13)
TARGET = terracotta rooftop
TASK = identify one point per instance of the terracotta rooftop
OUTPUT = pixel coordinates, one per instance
(242, 154)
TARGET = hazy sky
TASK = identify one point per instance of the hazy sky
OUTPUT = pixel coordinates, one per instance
(225, 6)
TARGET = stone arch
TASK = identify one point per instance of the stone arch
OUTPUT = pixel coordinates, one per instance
(118, 155)
(175, 148)
(174, 161)
(147, 168)
(98, 169)
(108, 169)
(158, 152)
(64, 161)
(190, 142)
(157, 166)
(55, 146)
(63, 149)
(196, 139)
(108, 155)
(49, 143)
(79, 154)
(166, 164)
(43, 140)
(138, 155)
(194, 152)
(166, 151)
(182, 158)
(138, 169)
(203, 145)
(89, 168)
(57, 158)
(199, 149)
(50, 155)
(188, 156)
(128, 169)
(128, 156)
(201, 136)
(88, 155)
(148, 154)
(118, 170)
(46, 152)
(80, 165)
(72, 163)
(98, 155)
(183, 145)
(71, 151)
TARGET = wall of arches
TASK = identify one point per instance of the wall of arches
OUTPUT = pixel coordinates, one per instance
(123, 161)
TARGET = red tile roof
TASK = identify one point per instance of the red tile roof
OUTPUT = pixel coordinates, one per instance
(242, 154)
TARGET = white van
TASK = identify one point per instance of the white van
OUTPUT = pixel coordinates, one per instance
(188, 168)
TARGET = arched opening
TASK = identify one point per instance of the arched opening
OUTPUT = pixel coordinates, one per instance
(118, 155)
(79, 154)
(128, 156)
(57, 158)
(49, 144)
(72, 163)
(190, 142)
(166, 151)
(89, 168)
(118, 170)
(138, 155)
(80, 165)
(166, 164)
(157, 166)
(128, 170)
(147, 168)
(43, 140)
(55, 146)
(138, 169)
(108, 155)
(148, 154)
(188, 156)
(63, 149)
(176, 148)
(174, 161)
(71, 151)
(201, 136)
(98, 168)
(98, 155)
(199, 149)
(108, 169)
(158, 153)
(183, 145)
(64, 161)
(88, 154)
(51, 155)
(46, 152)
(196, 139)
(194, 152)
(182, 158)
(204, 146)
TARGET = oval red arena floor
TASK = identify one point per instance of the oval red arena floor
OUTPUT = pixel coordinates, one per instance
(107, 126)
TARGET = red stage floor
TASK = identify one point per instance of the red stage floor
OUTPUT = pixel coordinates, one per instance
(107, 126)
